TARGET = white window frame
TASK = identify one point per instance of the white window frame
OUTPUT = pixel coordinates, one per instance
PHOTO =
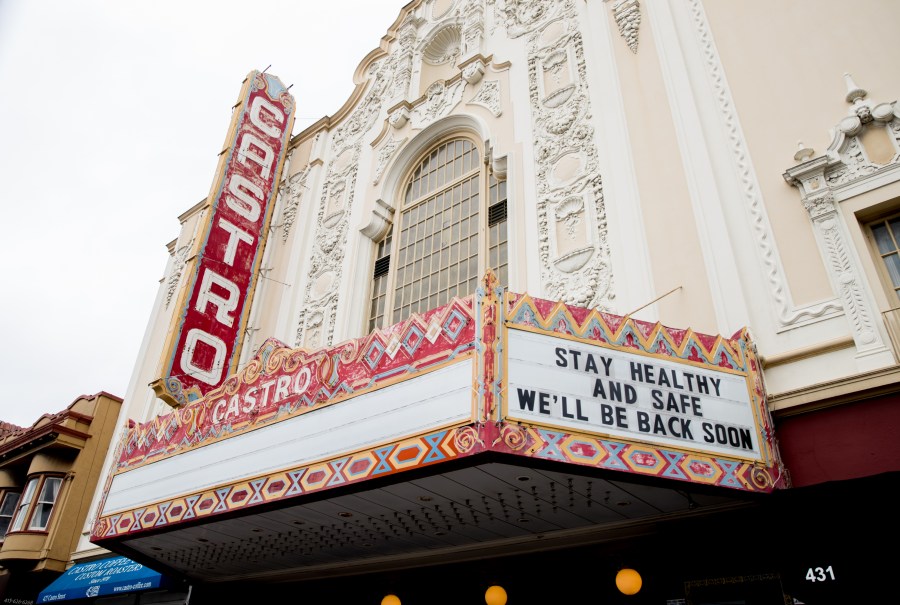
(24, 516)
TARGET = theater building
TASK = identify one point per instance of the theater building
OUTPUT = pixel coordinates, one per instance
(563, 288)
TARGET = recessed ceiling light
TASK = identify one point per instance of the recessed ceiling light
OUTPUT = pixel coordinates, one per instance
(623, 503)
(523, 478)
(523, 520)
(345, 514)
(424, 498)
(202, 540)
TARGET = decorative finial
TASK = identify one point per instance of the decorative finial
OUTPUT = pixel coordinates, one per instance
(803, 153)
(854, 92)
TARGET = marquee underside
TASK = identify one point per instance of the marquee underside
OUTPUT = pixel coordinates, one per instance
(489, 507)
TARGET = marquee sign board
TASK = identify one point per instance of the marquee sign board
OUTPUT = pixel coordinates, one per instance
(494, 372)
(204, 343)
(589, 388)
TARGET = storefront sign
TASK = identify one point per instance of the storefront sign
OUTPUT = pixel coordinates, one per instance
(634, 396)
(115, 576)
(205, 342)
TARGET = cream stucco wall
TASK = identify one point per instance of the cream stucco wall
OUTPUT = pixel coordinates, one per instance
(784, 62)
(670, 227)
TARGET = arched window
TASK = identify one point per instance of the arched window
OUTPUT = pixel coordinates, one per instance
(450, 226)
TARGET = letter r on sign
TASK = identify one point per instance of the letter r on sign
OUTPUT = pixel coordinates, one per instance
(224, 306)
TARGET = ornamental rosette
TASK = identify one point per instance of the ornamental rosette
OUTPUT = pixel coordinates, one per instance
(466, 439)
(514, 436)
(761, 478)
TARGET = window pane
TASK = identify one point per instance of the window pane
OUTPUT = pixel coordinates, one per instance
(883, 238)
(892, 262)
(19, 520)
(41, 515)
(420, 232)
(404, 239)
(7, 508)
(895, 228)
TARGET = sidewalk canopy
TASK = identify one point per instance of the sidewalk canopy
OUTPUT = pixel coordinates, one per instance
(118, 575)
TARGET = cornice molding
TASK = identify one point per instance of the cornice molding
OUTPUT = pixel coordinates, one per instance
(823, 395)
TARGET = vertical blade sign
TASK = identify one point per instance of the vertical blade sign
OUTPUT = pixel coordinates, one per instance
(204, 343)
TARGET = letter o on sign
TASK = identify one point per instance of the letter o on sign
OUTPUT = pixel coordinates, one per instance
(211, 375)
(301, 381)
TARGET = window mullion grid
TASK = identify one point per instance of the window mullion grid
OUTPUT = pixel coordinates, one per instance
(435, 187)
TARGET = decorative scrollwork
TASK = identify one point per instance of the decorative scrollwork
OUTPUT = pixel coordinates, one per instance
(514, 436)
(466, 438)
(761, 478)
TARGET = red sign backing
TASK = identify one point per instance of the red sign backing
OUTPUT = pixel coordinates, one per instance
(205, 343)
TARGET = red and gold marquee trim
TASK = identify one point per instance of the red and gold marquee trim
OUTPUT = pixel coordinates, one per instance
(309, 380)
(416, 452)
(476, 327)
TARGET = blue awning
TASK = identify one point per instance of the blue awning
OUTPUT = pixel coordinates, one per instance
(118, 575)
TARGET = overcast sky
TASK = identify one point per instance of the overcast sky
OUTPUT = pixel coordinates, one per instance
(112, 113)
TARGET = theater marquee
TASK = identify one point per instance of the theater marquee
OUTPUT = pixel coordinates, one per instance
(493, 373)
(204, 343)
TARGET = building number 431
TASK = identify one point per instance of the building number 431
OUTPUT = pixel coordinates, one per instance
(819, 574)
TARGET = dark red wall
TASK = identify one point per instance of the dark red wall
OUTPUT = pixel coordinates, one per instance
(841, 442)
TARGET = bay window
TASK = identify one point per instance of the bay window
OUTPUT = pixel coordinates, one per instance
(36, 504)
